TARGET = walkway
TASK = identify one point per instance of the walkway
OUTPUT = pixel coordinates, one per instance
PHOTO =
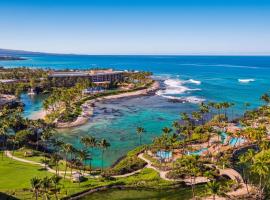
(232, 174)
(163, 174)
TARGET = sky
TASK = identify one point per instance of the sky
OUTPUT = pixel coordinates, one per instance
(178, 27)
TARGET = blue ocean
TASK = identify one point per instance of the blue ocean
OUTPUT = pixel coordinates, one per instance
(192, 79)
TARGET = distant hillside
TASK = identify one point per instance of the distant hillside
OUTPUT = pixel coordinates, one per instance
(10, 52)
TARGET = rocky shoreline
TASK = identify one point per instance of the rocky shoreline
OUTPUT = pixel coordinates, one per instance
(87, 107)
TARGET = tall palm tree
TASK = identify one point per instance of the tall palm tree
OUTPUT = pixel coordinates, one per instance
(45, 185)
(55, 180)
(67, 149)
(2, 138)
(204, 109)
(103, 144)
(89, 142)
(46, 135)
(261, 168)
(197, 116)
(35, 184)
(55, 158)
(140, 131)
(83, 157)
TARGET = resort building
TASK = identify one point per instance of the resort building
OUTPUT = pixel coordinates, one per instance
(95, 76)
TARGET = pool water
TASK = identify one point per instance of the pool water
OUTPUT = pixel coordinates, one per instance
(164, 154)
(232, 141)
(198, 152)
(236, 141)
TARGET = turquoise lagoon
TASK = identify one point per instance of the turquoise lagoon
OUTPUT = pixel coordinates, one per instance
(186, 78)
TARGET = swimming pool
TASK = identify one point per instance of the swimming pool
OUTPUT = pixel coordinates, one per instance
(164, 154)
(198, 152)
(232, 141)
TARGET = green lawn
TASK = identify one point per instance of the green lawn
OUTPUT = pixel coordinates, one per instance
(20, 154)
(15, 177)
(15, 180)
(38, 158)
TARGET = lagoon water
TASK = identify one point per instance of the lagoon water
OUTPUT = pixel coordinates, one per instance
(190, 78)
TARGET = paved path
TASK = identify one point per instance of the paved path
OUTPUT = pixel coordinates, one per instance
(163, 174)
(232, 174)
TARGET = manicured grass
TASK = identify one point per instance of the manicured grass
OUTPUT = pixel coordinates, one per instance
(134, 194)
(16, 176)
(20, 154)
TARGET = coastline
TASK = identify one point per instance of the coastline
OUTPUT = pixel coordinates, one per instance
(88, 109)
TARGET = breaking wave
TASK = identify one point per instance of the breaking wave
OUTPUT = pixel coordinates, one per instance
(246, 80)
(177, 87)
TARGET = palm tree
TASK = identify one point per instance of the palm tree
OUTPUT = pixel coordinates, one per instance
(140, 131)
(103, 144)
(184, 116)
(73, 154)
(261, 168)
(35, 184)
(83, 157)
(266, 99)
(67, 149)
(55, 180)
(46, 184)
(89, 142)
(204, 109)
(226, 105)
(197, 116)
(55, 158)
(46, 135)
(3, 137)
(176, 125)
(214, 188)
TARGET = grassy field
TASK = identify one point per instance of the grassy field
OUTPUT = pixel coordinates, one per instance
(38, 158)
(15, 180)
(15, 177)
